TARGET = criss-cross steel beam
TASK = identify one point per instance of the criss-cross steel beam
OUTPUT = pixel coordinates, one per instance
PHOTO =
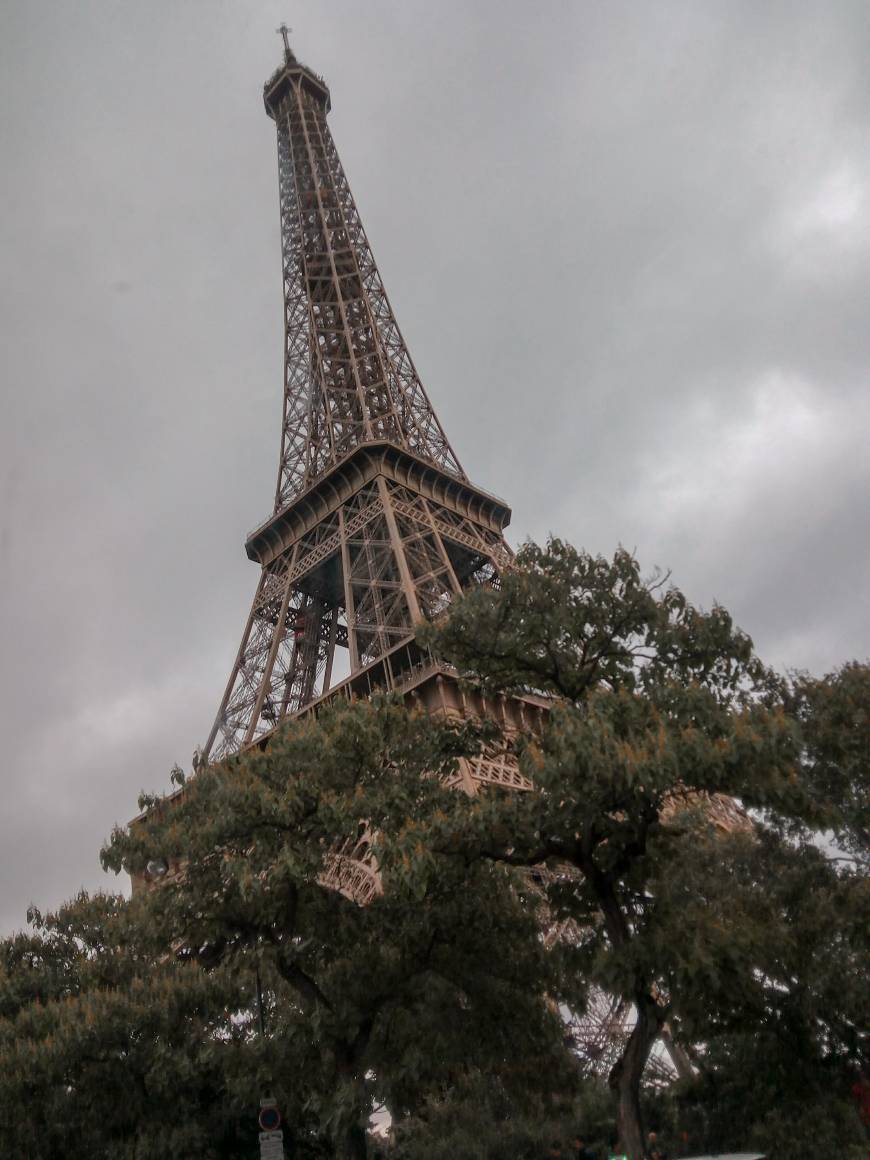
(375, 525)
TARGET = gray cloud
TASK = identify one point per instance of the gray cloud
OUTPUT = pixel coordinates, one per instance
(629, 247)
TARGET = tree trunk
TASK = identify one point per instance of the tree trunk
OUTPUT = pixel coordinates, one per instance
(626, 1075)
(352, 1139)
(355, 1143)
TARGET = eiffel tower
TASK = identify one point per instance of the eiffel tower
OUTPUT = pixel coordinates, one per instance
(375, 526)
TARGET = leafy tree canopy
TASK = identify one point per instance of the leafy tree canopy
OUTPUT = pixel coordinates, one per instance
(109, 1046)
(663, 717)
(131, 1029)
(441, 972)
(834, 712)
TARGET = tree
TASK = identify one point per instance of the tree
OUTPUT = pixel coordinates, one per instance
(777, 1074)
(479, 1120)
(782, 1053)
(108, 1046)
(834, 712)
(657, 709)
(131, 1029)
(379, 1004)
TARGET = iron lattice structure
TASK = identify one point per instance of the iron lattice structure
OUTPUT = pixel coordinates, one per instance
(375, 525)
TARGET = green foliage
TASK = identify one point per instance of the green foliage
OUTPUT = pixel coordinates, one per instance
(566, 622)
(108, 1047)
(133, 1024)
(384, 1003)
(759, 1091)
(478, 1120)
(662, 712)
(129, 1028)
(834, 712)
(776, 1072)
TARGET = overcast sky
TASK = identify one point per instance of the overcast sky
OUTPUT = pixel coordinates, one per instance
(628, 245)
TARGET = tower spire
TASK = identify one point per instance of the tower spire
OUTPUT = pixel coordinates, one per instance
(375, 526)
(284, 32)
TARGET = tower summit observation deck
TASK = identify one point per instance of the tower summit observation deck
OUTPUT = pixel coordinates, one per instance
(375, 526)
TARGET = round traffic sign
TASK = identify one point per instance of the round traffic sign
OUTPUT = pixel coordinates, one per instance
(270, 1119)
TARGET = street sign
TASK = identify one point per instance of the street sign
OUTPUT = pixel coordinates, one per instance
(270, 1118)
(272, 1145)
(271, 1136)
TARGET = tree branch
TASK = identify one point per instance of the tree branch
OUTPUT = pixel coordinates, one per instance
(302, 982)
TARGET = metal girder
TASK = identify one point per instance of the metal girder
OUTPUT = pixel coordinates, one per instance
(348, 375)
(382, 561)
(376, 526)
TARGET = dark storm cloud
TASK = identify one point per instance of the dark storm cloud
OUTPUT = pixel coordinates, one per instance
(629, 247)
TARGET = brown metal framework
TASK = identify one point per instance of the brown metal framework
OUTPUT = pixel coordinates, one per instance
(375, 525)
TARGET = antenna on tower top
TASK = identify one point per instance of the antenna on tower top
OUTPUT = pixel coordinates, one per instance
(284, 32)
